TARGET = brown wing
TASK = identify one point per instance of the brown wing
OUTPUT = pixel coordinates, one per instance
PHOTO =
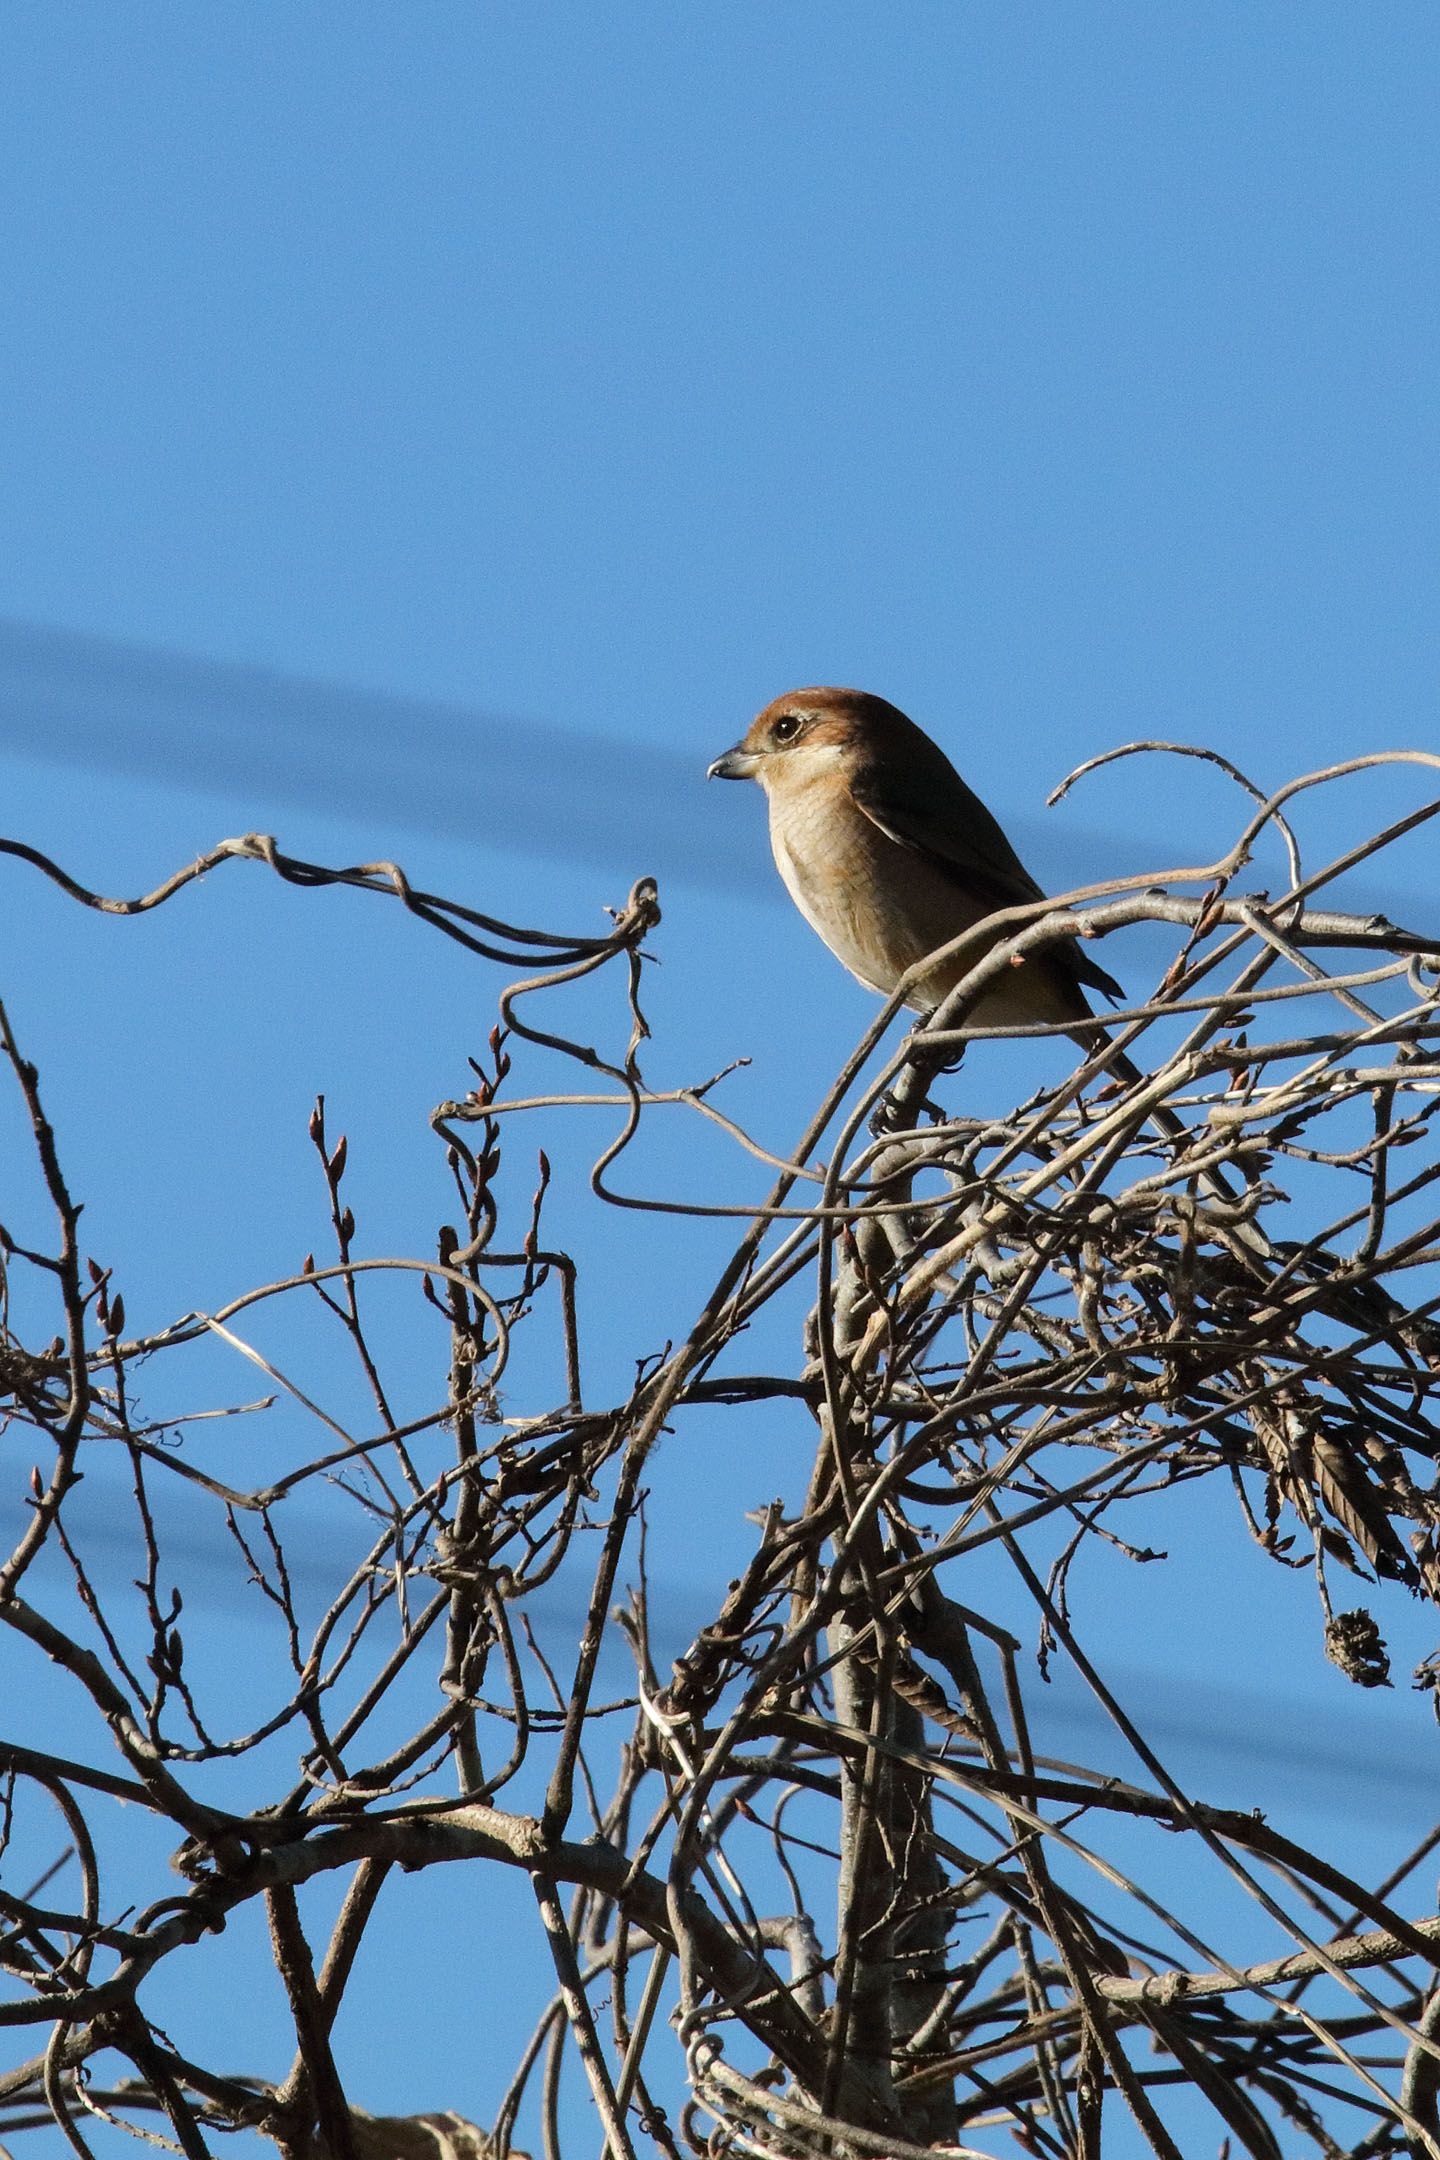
(920, 802)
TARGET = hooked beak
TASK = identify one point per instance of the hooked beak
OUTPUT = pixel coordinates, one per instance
(736, 764)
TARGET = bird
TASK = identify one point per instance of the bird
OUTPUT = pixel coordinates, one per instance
(889, 856)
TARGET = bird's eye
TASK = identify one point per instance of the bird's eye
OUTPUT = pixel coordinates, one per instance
(787, 727)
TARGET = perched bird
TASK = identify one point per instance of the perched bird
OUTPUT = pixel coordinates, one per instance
(888, 855)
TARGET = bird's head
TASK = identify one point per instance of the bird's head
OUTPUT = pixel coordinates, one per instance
(810, 733)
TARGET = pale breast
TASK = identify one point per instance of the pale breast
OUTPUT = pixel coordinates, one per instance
(881, 907)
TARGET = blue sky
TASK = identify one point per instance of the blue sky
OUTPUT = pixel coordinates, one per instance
(1061, 370)
(1067, 374)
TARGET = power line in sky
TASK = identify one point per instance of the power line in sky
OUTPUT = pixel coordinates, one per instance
(528, 787)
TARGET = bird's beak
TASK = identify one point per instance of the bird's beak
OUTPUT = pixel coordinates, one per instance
(737, 764)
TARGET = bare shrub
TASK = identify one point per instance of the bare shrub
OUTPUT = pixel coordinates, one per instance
(823, 1896)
